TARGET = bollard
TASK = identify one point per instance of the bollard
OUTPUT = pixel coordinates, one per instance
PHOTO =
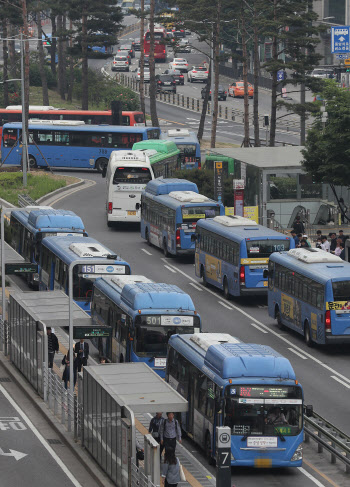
(333, 457)
(62, 404)
(319, 446)
(188, 102)
(182, 100)
(75, 418)
(306, 438)
(220, 111)
(173, 98)
(55, 398)
(197, 105)
(193, 104)
(223, 456)
(226, 113)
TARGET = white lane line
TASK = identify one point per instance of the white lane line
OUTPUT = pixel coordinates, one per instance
(170, 269)
(285, 340)
(311, 477)
(297, 353)
(259, 328)
(340, 381)
(84, 186)
(40, 437)
(195, 286)
(225, 305)
(146, 252)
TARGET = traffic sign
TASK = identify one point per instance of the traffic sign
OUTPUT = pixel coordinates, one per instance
(92, 332)
(347, 62)
(342, 56)
(340, 39)
(280, 75)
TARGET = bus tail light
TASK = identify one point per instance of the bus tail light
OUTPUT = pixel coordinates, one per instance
(199, 163)
(242, 275)
(110, 207)
(327, 322)
(178, 238)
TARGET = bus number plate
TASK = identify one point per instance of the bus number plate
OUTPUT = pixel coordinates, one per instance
(160, 362)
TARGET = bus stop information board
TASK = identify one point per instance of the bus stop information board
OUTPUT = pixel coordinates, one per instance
(21, 268)
(92, 332)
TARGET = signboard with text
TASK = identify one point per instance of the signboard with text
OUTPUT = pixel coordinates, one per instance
(340, 39)
(218, 182)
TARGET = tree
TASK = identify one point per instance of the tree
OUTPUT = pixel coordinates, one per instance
(152, 71)
(42, 59)
(142, 59)
(327, 148)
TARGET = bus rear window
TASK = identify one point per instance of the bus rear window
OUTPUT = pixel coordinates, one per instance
(195, 213)
(139, 175)
(187, 150)
(341, 291)
(139, 118)
(263, 248)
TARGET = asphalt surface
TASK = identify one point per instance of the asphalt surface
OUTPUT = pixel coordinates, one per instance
(323, 372)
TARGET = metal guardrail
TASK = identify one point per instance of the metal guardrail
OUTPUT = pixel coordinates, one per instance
(329, 437)
(25, 200)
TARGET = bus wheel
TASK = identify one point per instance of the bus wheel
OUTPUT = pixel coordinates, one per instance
(147, 238)
(208, 449)
(205, 284)
(165, 249)
(279, 319)
(100, 164)
(307, 335)
(226, 291)
(32, 162)
(121, 359)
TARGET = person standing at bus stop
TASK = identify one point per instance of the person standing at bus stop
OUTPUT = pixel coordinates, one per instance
(82, 350)
(53, 346)
(169, 432)
(154, 428)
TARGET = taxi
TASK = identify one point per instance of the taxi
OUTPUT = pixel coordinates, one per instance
(236, 89)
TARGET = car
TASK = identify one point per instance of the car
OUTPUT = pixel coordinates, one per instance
(198, 73)
(222, 93)
(183, 46)
(145, 60)
(127, 47)
(179, 33)
(146, 74)
(177, 75)
(165, 83)
(188, 32)
(323, 73)
(137, 45)
(120, 63)
(121, 52)
(179, 63)
(236, 89)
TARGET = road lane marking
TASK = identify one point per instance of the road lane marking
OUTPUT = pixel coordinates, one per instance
(340, 381)
(258, 327)
(297, 353)
(170, 269)
(83, 186)
(40, 437)
(195, 286)
(225, 305)
(146, 252)
(320, 473)
(311, 477)
(269, 329)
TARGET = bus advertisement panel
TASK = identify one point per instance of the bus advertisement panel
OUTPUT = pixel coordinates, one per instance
(309, 292)
(143, 315)
(232, 253)
(250, 388)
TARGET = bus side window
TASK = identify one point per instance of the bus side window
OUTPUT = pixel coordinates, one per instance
(202, 393)
(210, 399)
(57, 268)
(173, 363)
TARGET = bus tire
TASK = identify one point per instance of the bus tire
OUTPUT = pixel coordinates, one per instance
(165, 249)
(278, 318)
(226, 290)
(205, 283)
(208, 449)
(307, 335)
(100, 164)
(121, 359)
(147, 238)
(32, 162)
(109, 224)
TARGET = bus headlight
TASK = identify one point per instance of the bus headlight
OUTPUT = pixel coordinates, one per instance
(298, 454)
(232, 458)
(36, 277)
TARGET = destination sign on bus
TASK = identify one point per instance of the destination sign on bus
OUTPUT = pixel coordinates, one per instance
(102, 269)
(266, 392)
(167, 320)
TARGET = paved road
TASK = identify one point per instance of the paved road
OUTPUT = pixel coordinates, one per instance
(324, 373)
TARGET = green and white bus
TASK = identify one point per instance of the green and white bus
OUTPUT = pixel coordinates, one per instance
(164, 156)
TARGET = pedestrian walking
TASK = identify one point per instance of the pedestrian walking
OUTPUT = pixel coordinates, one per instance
(296, 239)
(169, 431)
(337, 250)
(82, 350)
(343, 209)
(171, 469)
(298, 226)
(154, 427)
(333, 243)
(325, 244)
(66, 371)
(342, 253)
(52, 344)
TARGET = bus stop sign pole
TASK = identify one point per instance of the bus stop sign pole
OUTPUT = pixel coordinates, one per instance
(223, 456)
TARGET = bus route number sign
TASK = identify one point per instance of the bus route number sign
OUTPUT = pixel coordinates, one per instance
(21, 268)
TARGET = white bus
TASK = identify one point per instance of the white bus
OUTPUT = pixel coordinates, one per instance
(127, 174)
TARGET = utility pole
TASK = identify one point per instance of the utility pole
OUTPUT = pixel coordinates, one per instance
(24, 120)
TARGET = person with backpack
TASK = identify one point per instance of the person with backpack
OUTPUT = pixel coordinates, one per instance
(169, 432)
(154, 427)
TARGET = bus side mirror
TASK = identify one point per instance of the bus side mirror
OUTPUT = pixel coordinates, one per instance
(193, 237)
(265, 273)
(104, 171)
(309, 411)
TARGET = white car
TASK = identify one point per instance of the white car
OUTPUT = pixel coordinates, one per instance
(120, 63)
(146, 75)
(180, 64)
(184, 46)
(198, 73)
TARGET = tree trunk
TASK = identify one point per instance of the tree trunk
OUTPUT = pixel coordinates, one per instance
(274, 85)
(61, 63)
(42, 61)
(26, 62)
(246, 139)
(5, 63)
(64, 56)
(12, 55)
(142, 60)
(215, 95)
(256, 80)
(53, 44)
(205, 106)
(71, 64)
(84, 65)
(152, 88)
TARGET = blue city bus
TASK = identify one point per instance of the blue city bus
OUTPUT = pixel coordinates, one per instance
(188, 145)
(232, 253)
(143, 315)
(64, 143)
(28, 226)
(309, 292)
(58, 252)
(250, 388)
(170, 210)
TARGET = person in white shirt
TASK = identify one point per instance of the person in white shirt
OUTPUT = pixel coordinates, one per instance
(325, 245)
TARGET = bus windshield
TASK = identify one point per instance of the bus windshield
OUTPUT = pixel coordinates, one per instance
(264, 248)
(140, 175)
(264, 415)
(195, 213)
(152, 341)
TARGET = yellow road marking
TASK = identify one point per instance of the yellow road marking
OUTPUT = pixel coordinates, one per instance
(324, 476)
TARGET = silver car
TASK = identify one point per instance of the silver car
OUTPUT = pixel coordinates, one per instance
(120, 63)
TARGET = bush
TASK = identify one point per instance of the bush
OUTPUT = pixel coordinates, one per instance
(35, 77)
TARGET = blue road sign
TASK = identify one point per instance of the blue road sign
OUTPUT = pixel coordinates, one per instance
(280, 75)
(342, 56)
(340, 39)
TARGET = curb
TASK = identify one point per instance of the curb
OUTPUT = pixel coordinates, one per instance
(78, 451)
(60, 190)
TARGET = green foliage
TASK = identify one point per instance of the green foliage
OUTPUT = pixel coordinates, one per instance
(35, 78)
(327, 148)
(205, 182)
(11, 185)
